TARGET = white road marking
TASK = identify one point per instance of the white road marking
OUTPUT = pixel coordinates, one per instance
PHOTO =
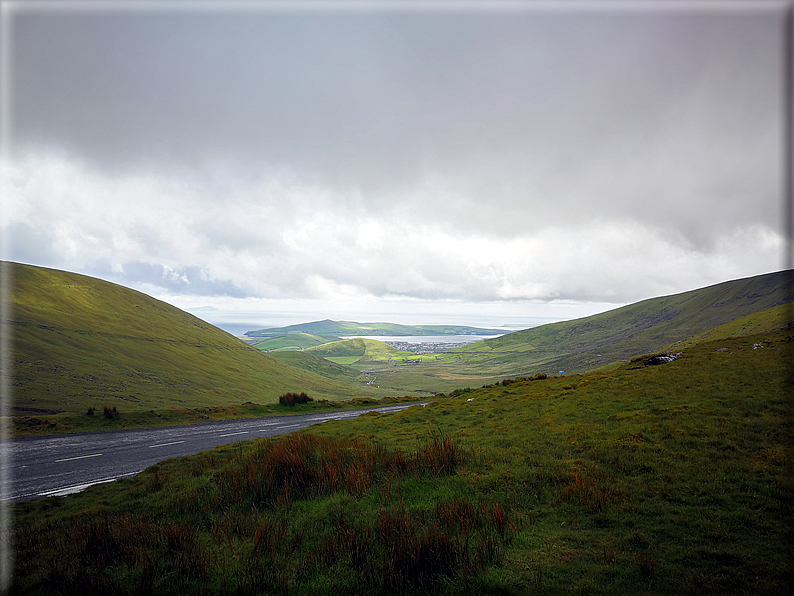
(165, 444)
(62, 492)
(78, 457)
(244, 432)
(289, 425)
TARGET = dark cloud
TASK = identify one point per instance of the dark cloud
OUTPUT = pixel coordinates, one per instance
(439, 155)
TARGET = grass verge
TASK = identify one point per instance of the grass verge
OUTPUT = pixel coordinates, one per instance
(116, 419)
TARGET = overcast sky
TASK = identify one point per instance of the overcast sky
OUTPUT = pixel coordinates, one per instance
(454, 160)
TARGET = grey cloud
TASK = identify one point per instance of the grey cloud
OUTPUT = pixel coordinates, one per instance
(25, 243)
(374, 99)
(487, 125)
(184, 280)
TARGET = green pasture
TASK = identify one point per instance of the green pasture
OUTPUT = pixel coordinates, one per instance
(344, 360)
(290, 341)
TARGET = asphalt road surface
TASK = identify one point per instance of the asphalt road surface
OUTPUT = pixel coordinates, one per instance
(65, 464)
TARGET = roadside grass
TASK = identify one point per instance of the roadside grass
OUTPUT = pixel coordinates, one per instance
(669, 479)
(69, 422)
(302, 514)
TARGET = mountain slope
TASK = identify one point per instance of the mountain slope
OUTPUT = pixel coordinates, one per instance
(80, 342)
(364, 349)
(289, 341)
(645, 326)
(763, 321)
(316, 364)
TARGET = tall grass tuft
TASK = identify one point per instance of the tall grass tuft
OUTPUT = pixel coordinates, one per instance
(307, 466)
(290, 399)
(110, 413)
(109, 554)
(586, 493)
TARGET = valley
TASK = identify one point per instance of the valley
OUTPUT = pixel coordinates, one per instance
(560, 459)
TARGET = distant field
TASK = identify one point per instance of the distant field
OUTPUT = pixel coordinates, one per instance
(345, 360)
(290, 341)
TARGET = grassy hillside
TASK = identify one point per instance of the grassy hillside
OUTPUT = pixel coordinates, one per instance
(600, 340)
(764, 321)
(646, 326)
(359, 350)
(290, 341)
(340, 328)
(307, 361)
(670, 479)
(81, 342)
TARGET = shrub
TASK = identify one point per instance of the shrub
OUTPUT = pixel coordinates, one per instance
(290, 399)
(459, 392)
(90, 411)
(110, 413)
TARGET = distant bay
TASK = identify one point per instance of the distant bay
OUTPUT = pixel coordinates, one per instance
(425, 339)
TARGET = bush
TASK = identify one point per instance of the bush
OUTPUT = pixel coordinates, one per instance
(90, 411)
(290, 399)
(506, 382)
(111, 413)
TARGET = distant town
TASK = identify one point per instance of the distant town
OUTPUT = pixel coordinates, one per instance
(431, 347)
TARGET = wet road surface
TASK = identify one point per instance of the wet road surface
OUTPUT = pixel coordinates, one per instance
(64, 464)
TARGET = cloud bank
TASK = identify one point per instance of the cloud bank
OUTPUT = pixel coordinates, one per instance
(436, 156)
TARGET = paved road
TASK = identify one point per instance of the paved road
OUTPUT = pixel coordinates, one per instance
(64, 464)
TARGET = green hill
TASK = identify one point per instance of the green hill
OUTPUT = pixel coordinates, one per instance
(768, 320)
(316, 364)
(647, 326)
(340, 328)
(358, 350)
(81, 342)
(290, 341)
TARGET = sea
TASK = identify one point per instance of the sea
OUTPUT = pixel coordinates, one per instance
(238, 323)
(426, 339)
